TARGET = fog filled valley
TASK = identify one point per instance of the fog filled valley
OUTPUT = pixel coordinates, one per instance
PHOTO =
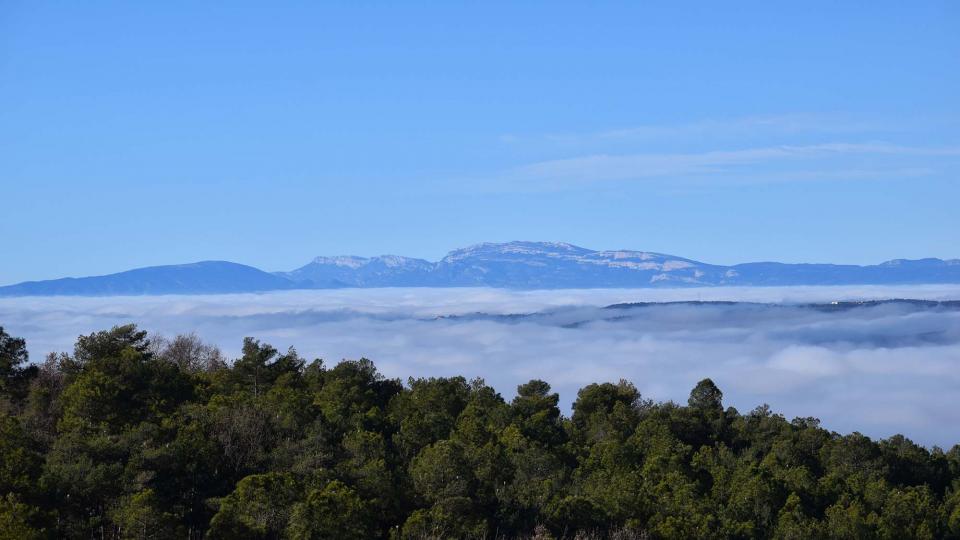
(880, 370)
(622, 414)
(483, 413)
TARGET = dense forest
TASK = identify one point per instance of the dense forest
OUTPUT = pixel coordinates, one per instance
(135, 436)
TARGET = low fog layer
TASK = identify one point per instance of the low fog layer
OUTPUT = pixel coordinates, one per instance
(880, 370)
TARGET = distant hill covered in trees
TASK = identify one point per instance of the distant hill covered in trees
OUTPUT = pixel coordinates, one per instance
(133, 437)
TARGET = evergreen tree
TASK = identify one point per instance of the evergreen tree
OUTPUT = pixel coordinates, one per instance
(130, 437)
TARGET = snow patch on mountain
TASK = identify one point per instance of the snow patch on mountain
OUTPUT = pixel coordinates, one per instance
(347, 261)
(514, 265)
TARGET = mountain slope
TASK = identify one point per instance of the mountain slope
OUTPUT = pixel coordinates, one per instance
(899, 271)
(517, 265)
(207, 277)
(553, 265)
(351, 271)
(558, 265)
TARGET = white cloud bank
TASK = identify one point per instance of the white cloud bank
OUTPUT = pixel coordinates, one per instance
(881, 370)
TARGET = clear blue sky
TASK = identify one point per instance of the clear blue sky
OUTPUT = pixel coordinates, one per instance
(141, 133)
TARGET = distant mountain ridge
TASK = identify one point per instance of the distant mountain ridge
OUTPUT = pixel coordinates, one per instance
(517, 265)
(205, 277)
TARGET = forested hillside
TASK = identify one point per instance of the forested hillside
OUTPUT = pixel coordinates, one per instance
(137, 437)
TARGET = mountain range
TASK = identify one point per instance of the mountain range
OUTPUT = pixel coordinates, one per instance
(516, 265)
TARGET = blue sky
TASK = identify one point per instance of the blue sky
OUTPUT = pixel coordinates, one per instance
(134, 134)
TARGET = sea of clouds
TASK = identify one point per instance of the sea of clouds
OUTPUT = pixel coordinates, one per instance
(878, 370)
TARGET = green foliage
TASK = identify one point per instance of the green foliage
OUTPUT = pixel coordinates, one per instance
(133, 438)
(454, 517)
(143, 516)
(20, 462)
(110, 344)
(259, 507)
(536, 413)
(16, 520)
(334, 512)
(353, 395)
(706, 397)
(441, 471)
(427, 412)
(15, 376)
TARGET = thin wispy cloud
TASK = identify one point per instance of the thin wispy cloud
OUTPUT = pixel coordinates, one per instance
(777, 148)
(712, 128)
(882, 370)
(772, 163)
